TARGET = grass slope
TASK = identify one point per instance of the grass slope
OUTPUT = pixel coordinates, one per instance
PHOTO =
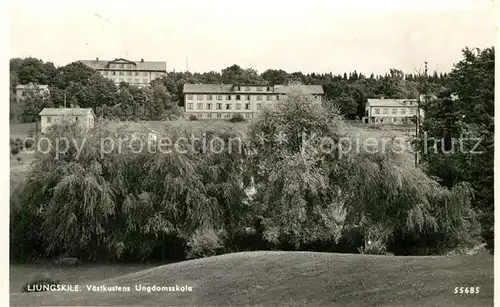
(296, 278)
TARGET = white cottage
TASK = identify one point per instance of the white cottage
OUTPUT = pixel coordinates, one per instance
(50, 116)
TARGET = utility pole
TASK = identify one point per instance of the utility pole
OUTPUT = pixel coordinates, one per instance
(417, 117)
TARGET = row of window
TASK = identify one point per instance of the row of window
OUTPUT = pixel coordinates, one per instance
(124, 73)
(219, 115)
(395, 111)
(218, 106)
(131, 80)
(121, 65)
(258, 88)
(229, 97)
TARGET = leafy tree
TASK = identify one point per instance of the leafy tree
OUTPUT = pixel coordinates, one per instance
(276, 76)
(470, 114)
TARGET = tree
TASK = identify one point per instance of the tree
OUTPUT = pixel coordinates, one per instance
(470, 114)
(236, 75)
(308, 190)
(276, 76)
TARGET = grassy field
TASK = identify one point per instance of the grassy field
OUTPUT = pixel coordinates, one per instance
(294, 279)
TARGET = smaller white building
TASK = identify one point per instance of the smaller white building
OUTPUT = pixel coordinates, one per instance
(51, 116)
(391, 111)
(23, 90)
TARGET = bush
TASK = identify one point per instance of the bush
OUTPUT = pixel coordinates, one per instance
(373, 248)
(193, 117)
(14, 150)
(37, 285)
(28, 143)
(18, 158)
(238, 117)
(204, 244)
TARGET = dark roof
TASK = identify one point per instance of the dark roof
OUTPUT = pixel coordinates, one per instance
(139, 65)
(229, 88)
(65, 111)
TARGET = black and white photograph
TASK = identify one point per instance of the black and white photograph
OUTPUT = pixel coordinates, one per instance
(262, 153)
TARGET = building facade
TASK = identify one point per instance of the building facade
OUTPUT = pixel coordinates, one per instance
(223, 101)
(51, 116)
(23, 91)
(391, 111)
(139, 73)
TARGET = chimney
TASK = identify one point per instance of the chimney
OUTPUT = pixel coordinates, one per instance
(97, 59)
(142, 60)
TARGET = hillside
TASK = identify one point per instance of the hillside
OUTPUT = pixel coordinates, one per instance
(299, 279)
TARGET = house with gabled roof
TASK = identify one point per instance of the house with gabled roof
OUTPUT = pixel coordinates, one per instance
(52, 116)
(139, 73)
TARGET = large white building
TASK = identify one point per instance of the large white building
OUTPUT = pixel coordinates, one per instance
(222, 101)
(139, 73)
(391, 111)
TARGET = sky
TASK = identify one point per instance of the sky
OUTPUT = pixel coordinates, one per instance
(307, 36)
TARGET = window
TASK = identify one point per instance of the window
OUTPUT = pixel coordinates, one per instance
(123, 65)
(259, 89)
(227, 115)
(247, 115)
(209, 115)
(76, 118)
(403, 111)
(228, 97)
(238, 106)
(190, 106)
(219, 115)
(136, 73)
(199, 97)
(129, 73)
(237, 97)
(219, 97)
(259, 97)
(268, 97)
(377, 111)
(129, 80)
(394, 111)
(248, 97)
(258, 106)
(49, 119)
(228, 106)
(144, 73)
(277, 97)
(209, 97)
(219, 106)
(386, 111)
(144, 80)
(189, 97)
(247, 106)
(121, 73)
(268, 88)
(114, 73)
(247, 89)
(413, 111)
(209, 106)
(199, 106)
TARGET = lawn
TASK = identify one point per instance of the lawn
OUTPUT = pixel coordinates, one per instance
(294, 279)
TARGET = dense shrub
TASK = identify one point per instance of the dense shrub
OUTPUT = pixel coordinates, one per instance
(205, 243)
(193, 117)
(236, 118)
(373, 248)
(28, 143)
(14, 150)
